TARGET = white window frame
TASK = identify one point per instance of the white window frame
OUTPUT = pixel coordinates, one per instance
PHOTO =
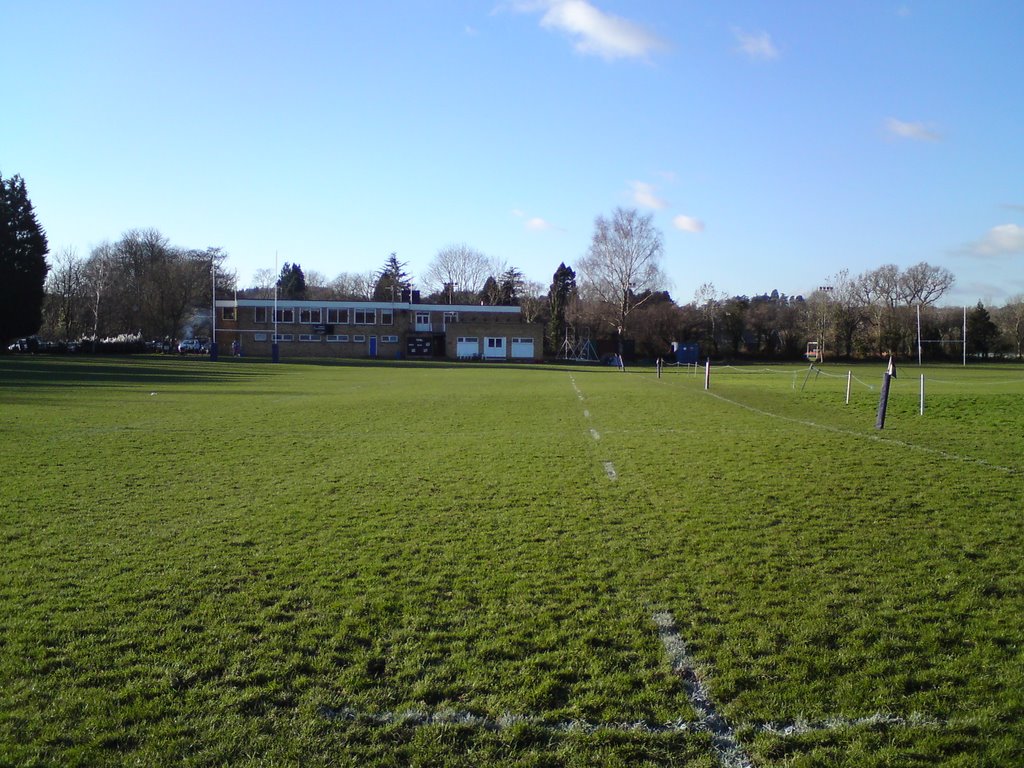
(359, 338)
(282, 337)
(310, 316)
(388, 339)
(362, 314)
(337, 337)
(285, 315)
(309, 337)
(259, 314)
(338, 316)
(387, 317)
(227, 313)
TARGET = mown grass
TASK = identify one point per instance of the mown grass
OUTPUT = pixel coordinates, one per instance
(245, 563)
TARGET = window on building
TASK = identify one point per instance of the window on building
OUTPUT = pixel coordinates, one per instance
(227, 313)
(259, 337)
(422, 318)
(285, 315)
(366, 316)
(309, 337)
(310, 316)
(282, 337)
(451, 317)
(336, 337)
(389, 339)
(387, 317)
(337, 316)
(259, 314)
(358, 338)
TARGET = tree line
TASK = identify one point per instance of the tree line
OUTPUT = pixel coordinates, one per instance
(615, 300)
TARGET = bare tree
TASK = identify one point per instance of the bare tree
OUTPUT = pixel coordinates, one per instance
(99, 277)
(354, 286)
(263, 282)
(1010, 318)
(709, 300)
(622, 268)
(458, 269)
(847, 310)
(879, 289)
(66, 303)
(533, 300)
(923, 284)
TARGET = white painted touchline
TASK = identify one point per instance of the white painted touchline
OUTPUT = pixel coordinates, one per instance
(729, 751)
(418, 718)
(875, 438)
(723, 736)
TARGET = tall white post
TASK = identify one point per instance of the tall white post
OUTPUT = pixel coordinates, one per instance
(922, 395)
(213, 309)
(919, 335)
(707, 374)
(965, 336)
(849, 379)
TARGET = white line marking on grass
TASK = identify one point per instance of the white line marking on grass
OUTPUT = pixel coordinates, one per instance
(609, 469)
(417, 718)
(723, 736)
(799, 727)
(727, 745)
(594, 434)
(876, 438)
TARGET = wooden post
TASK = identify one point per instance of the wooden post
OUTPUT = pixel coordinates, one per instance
(883, 401)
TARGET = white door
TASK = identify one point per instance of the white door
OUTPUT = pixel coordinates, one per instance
(494, 348)
(467, 347)
(522, 349)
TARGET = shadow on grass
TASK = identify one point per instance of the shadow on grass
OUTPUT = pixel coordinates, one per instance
(27, 371)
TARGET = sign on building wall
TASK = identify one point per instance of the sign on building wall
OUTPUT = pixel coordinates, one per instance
(419, 346)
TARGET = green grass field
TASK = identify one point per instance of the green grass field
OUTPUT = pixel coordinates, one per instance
(240, 563)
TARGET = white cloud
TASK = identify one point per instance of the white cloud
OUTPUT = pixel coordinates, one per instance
(537, 224)
(915, 131)
(645, 195)
(1001, 240)
(593, 31)
(756, 45)
(687, 223)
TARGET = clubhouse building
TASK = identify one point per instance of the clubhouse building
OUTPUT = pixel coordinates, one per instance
(376, 329)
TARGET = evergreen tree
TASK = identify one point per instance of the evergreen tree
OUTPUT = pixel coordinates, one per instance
(291, 282)
(392, 279)
(982, 332)
(510, 287)
(563, 288)
(490, 294)
(23, 267)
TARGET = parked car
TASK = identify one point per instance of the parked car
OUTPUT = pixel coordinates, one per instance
(190, 345)
(29, 344)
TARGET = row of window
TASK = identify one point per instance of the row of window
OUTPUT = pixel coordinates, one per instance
(332, 337)
(344, 316)
(316, 316)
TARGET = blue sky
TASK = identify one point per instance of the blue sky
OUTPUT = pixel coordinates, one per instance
(774, 143)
